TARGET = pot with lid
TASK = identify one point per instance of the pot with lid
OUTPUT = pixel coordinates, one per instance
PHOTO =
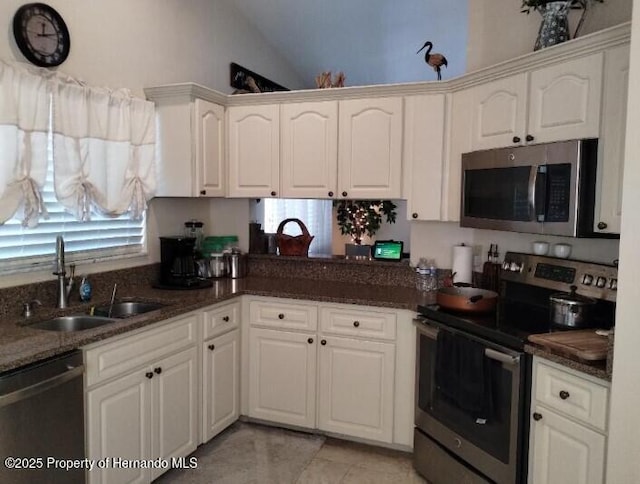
(571, 310)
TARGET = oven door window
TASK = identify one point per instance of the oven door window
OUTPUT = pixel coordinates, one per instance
(497, 193)
(492, 435)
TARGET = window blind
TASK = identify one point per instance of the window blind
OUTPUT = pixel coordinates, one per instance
(101, 237)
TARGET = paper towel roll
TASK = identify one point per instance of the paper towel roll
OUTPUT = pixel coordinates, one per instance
(462, 263)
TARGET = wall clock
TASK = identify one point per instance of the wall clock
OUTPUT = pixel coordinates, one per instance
(41, 34)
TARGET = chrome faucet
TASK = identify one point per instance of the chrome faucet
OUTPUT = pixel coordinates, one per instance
(64, 284)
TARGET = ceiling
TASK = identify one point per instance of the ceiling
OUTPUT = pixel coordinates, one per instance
(371, 41)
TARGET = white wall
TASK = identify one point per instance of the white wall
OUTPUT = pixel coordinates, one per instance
(134, 44)
(623, 464)
(498, 31)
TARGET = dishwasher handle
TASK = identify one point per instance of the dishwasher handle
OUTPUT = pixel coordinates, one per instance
(41, 386)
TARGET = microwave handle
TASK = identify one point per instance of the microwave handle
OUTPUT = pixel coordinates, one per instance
(533, 179)
(537, 189)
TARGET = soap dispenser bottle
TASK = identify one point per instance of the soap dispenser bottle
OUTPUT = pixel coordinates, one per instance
(85, 289)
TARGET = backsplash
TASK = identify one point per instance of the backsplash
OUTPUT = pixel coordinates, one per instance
(334, 269)
(12, 298)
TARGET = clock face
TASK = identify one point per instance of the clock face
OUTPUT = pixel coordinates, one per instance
(41, 34)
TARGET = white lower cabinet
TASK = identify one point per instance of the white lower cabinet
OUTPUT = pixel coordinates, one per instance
(220, 383)
(342, 375)
(282, 376)
(568, 426)
(147, 414)
(150, 410)
(355, 388)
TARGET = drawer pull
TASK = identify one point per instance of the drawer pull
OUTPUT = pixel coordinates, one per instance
(310, 341)
(323, 342)
(212, 347)
(537, 416)
(158, 370)
(564, 394)
(516, 139)
(149, 375)
(225, 319)
(529, 138)
(280, 316)
(356, 323)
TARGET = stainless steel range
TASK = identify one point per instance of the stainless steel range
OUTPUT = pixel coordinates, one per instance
(473, 377)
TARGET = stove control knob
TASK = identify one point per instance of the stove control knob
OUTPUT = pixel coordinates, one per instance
(613, 284)
(587, 279)
(601, 282)
(515, 267)
(506, 265)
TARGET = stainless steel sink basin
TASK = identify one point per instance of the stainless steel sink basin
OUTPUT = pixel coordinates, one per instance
(127, 309)
(73, 323)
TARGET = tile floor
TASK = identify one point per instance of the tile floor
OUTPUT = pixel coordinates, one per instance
(256, 454)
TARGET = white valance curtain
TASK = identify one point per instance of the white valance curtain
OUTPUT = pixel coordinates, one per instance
(24, 125)
(103, 146)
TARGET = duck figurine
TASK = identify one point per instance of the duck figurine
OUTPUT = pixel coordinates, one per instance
(434, 60)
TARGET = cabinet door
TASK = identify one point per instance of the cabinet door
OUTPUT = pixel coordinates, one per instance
(309, 149)
(209, 149)
(564, 100)
(221, 383)
(458, 141)
(254, 150)
(612, 139)
(282, 376)
(356, 388)
(370, 148)
(423, 155)
(119, 426)
(175, 411)
(564, 452)
(499, 113)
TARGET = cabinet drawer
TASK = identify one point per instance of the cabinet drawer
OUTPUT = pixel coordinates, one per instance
(221, 319)
(118, 357)
(276, 314)
(572, 394)
(358, 323)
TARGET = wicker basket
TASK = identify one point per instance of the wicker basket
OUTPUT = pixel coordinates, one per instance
(293, 245)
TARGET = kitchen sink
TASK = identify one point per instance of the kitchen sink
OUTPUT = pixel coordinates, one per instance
(127, 309)
(78, 322)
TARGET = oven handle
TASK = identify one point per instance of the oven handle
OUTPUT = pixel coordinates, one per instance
(490, 353)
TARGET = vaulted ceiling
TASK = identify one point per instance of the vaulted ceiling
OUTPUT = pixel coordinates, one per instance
(371, 41)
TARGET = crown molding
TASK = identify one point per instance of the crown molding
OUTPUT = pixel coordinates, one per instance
(580, 47)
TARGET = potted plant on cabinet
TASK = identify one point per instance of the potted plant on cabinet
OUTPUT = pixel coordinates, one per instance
(357, 218)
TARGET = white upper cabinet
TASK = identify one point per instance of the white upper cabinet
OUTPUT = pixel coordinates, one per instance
(309, 137)
(564, 100)
(209, 146)
(370, 148)
(190, 148)
(424, 129)
(553, 103)
(254, 151)
(499, 112)
(612, 138)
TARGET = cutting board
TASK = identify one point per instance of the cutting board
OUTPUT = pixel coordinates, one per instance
(583, 344)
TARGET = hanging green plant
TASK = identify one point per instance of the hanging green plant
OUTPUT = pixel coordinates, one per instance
(357, 218)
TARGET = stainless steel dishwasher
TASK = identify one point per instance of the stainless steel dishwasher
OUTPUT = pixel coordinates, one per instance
(42, 422)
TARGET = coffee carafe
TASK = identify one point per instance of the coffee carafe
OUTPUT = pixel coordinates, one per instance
(177, 261)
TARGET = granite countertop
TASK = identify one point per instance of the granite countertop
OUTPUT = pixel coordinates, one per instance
(595, 368)
(21, 345)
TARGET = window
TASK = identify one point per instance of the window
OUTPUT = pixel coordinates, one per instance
(315, 214)
(23, 248)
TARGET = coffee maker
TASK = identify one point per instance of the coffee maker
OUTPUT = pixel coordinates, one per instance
(178, 268)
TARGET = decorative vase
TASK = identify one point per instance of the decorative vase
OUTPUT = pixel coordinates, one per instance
(554, 28)
(357, 251)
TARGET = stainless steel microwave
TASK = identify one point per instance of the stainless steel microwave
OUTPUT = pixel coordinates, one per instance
(546, 188)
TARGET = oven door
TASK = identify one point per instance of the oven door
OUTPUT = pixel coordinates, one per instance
(493, 446)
